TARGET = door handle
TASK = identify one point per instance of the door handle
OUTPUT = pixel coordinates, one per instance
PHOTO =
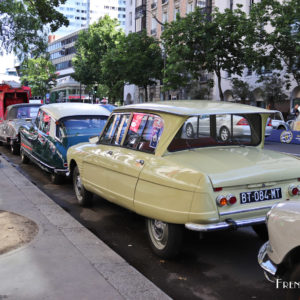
(140, 161)
(110, 152)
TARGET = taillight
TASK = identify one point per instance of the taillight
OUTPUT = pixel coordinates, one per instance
(293, 190)
(226, 200)
(221, 200)
(242, 122)
(231, 199)
(65, 165)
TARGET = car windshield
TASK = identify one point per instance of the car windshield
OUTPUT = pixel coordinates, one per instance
(24, 112)
(81, 125)
(218, 130)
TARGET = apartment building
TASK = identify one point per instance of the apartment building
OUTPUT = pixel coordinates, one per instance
(159, 12)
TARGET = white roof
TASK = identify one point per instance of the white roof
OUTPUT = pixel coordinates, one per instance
(62, 110)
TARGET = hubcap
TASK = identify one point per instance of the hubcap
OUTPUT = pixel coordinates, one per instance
(224, 134)
(158, 231)
(78, 187)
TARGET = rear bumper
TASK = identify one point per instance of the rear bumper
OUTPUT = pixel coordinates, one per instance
(266, 264)
(227, 224)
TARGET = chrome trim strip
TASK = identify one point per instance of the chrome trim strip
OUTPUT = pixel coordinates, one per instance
(224, 225)
(45, 165)
(245, 210)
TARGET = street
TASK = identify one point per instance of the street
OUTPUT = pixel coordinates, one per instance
(218, 265)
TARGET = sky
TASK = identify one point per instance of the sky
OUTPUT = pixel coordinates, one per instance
(6, 61)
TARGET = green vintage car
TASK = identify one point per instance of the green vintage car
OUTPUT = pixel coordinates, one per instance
(57, 127)
(144, 161)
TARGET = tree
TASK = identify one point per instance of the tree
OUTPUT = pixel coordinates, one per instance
(241, 90)
(137, 59)
(39, 74)
(22, 25)
(92, 44)
(275, 43)
(197, 44)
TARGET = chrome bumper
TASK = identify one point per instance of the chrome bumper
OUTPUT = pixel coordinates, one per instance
(64, 172)
(266, 264)
(229, 223)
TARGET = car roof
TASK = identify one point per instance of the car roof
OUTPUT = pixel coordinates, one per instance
(195, 107)
(62, 110)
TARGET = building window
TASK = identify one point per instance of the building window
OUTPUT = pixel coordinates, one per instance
(130, 18)
(189, 7)
(231, 4)
(176, 11)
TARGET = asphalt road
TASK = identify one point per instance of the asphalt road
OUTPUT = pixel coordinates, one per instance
(220, 265)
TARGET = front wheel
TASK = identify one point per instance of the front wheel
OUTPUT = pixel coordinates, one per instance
(24, 158)
(165, 238)
(189, 131)
(83, 196)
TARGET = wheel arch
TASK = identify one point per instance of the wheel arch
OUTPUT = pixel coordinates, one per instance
(73, 164)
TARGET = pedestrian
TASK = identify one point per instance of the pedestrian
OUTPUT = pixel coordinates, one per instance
(296, 110)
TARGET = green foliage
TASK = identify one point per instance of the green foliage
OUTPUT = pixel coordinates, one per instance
(91, 46)
(241, 90)
(278, 48)
(137, 59)
(22, 23)
(39, 74)
(197, 44)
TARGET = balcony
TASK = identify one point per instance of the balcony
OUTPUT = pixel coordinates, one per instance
(163, 2)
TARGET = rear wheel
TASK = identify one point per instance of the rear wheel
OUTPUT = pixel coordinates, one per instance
(165, 238)
(14, 148)
(224, 134)
(262, 231)
(24, 157)
(294, 294)
(83, 196)
(56, 179)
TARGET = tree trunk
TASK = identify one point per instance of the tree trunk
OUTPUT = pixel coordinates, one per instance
(146, 93)
(221, 95)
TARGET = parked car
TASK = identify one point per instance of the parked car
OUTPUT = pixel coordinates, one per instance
(109, 107)
(15, 116)
(143, 161)
(280, 256)
(56, 128)
(278, 122)
(227, 127)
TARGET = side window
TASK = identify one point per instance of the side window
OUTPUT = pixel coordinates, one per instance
(144, 132)
(45, 123)
(38, 118)
(115, 129)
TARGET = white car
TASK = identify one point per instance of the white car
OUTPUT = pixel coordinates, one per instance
(280, 256)
(227, 127)
(278, 122)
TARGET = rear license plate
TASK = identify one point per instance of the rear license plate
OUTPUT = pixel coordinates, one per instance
(263, 195)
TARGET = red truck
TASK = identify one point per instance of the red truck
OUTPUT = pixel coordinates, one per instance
(12, 94)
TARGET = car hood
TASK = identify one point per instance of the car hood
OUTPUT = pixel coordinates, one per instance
(234, 166)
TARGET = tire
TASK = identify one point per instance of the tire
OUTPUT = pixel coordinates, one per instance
(189, 131)
(224, 134)
(262, 231)
(83, 196)
(294, 294)
(24, 157)
(14, 148)
(165, 238)
(56, 179)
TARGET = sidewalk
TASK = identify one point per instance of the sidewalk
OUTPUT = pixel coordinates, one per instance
(64, 260)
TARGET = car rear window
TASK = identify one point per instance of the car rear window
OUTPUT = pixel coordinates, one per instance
(218, 130)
